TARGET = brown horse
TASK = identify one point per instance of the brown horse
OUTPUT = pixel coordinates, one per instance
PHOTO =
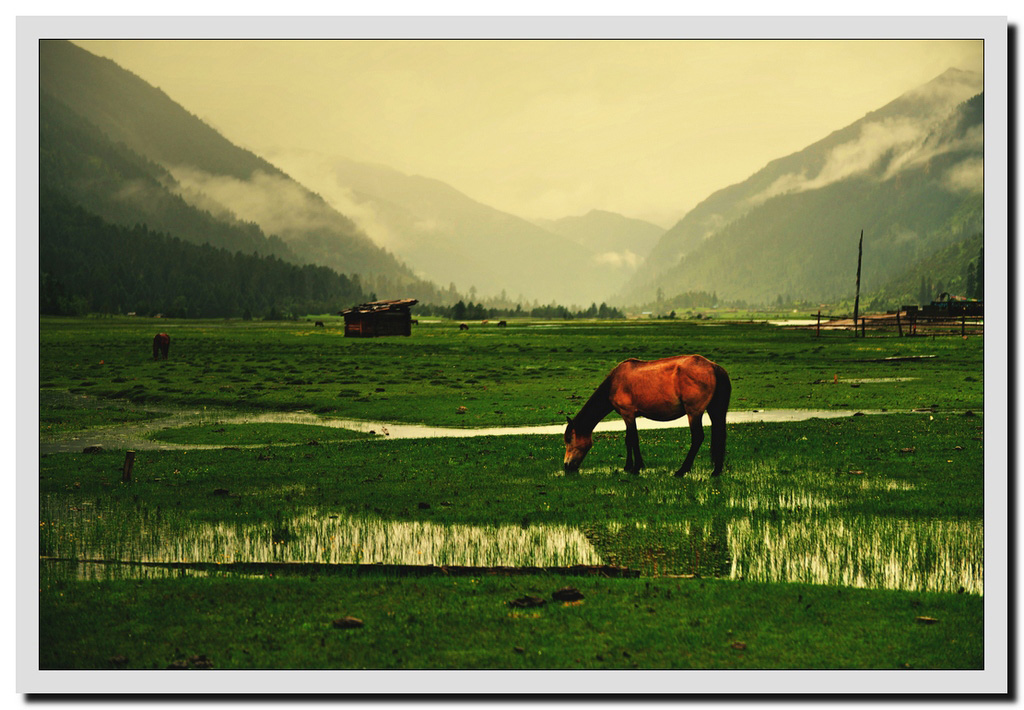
(161, 345)
(662, 390)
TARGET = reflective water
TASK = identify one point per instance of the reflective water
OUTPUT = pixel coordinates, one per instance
(875, 380)
(91, 533)
(855, 551)
(419, 431)
(861, 551)
(773, 534)
(136, 435)
(807, 542)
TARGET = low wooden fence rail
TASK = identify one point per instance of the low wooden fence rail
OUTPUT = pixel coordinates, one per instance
(906, 322)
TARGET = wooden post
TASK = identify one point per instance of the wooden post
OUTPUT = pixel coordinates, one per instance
(963, 324)
(899, 326)
(856, 300)
(817, 331)
(129, 461)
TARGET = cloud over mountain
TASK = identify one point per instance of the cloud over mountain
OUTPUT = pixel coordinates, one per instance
(909, 174)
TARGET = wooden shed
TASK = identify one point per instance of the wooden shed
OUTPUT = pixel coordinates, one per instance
(371, 320)
(954, 307)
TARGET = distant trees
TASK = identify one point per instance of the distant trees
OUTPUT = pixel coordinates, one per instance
(602, 311)
(925, 278)
(89, 265)
(924, 293)
(970, 283)
(975, 276)
(686, 300)
(478, 311)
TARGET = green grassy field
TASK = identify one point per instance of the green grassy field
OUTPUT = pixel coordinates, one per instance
(466, 622)
(248, 434)
(759, 568)
(527, 373)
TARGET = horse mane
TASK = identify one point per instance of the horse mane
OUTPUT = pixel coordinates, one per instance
(594, 409)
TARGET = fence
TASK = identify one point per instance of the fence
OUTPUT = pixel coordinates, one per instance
(907, 322)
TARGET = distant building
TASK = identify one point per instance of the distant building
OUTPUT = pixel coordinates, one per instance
(953, 307)
(378, 318)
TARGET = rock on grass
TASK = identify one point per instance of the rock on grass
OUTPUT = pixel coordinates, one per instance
(347, 622)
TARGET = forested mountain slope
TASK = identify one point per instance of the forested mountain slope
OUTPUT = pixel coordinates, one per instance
(236, 196)
(89, 265)
(909, 175)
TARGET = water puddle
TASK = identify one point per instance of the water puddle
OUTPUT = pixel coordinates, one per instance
(794, 321)
(137, 435)
(861, 551)
(769, 535)
(612, 423)
(875, 380)
(784, 500)
(856, 551)
(90, 541)
(91, 533)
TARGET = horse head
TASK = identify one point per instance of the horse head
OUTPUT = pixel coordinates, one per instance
(577, 444)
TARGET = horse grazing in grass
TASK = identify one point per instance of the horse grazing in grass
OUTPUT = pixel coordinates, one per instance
(662, 390)
(161, 345)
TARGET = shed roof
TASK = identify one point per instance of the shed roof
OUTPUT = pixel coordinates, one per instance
(402, 304)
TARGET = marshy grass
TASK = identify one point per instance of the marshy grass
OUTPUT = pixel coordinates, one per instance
(254, 434)
(533, 373)
(821, 545)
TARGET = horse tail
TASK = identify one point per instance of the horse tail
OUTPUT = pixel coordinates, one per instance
(717, 408)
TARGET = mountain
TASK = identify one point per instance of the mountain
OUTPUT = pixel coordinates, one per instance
(611, 238)
(450, 238)
(953, 269)
(127, 152)
(908, 174)
(89, 265)
(77, 160)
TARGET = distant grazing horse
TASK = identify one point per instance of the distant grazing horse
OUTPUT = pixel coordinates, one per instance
(161, 344)
(463, 326)
(502, 324)
(662, 390)
(319, 324)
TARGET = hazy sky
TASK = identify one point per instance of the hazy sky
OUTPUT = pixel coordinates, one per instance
(539, 128)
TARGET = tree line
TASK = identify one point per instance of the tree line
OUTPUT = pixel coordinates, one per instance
(478, 311)
(87, 265)
(971, 285)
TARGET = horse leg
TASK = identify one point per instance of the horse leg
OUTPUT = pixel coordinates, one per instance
(629, 451)
(634, 461)
(717, 441)
(696, 439)
(717, 409)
